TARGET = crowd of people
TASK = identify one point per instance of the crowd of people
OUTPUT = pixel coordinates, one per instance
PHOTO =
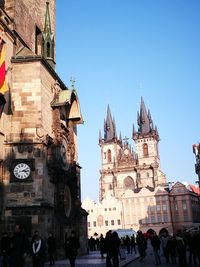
(16, 249)
(182, 248)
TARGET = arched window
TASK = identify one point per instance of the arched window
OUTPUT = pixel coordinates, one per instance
(48, 49)
(109, 155)
(129, 183)
(145, 150)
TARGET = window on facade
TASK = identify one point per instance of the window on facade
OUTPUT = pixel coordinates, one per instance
(118, 222)
(105, 209)
(104, 155)
(158, 207)
(106, 223)
(114, 208)
(91, 210)
(164, 206)
(88, 224)
(165, 217)
(153, 220)
(159, 218)
(145, 150)
(129, 183)
(94, 224)
(38, 41)
(184, 205)
(112, 222)
(109, 155)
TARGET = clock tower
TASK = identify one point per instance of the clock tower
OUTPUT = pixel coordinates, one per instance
(39, 170)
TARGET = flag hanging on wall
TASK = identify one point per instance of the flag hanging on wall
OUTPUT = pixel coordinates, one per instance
(3, 85)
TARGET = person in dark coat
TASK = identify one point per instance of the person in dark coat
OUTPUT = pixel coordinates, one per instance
(71, 248)
(38, 251)
(108, 248)
(115, 247)
(19, 247)
(142, 244)
(5, 249)
(51, 243)
(102, 245)
(155, 242)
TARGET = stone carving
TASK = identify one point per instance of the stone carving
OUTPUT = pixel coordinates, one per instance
(56, 89)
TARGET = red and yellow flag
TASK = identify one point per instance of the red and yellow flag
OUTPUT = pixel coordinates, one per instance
(3, 85)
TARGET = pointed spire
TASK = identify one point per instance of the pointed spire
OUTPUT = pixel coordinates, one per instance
(48, 39)
(144, 122)
(109, 127)
(133, 131)
(100, 137)
(47, 24)
(120, 137)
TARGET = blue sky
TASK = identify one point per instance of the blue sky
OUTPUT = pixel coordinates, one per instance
(120, 50)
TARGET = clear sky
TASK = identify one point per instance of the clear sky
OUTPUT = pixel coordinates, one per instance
(120, 50)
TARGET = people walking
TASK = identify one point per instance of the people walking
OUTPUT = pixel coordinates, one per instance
(51, 244)
(71, 248)
(108, 248)
(102, 246)
(142, 244)
(133, 244)
(19, 247)
(164, 243)
(155, 242)
(38, 251)
(115, 242)
(5, 249)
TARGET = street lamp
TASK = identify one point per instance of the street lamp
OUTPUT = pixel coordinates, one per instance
(2, 103)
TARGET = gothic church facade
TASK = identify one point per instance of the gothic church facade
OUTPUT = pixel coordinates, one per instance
(133, 191)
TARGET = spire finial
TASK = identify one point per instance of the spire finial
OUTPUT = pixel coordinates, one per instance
(72, 80)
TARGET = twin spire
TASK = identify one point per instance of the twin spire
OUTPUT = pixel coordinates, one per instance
(144, 121)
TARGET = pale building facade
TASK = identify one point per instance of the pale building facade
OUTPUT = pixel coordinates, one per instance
(132, 187)
(39, 170)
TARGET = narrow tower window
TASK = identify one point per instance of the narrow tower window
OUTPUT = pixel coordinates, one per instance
(38, 41)
(109, 155)
(145, 150)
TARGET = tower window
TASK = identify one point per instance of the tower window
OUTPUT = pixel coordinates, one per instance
(38, 41)
(109, 155)
(145, 150)
(48, 49)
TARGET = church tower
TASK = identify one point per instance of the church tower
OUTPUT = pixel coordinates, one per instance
(146, 141)
(110, 145)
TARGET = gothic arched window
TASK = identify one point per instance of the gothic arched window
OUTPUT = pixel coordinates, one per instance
(109, 155)
(145, 150)
(48, 49)
(129, 183)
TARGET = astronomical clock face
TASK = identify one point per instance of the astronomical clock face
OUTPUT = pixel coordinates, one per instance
(22, 170)
(67, 201)
(64, 153)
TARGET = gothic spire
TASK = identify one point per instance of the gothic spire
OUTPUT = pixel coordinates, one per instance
(144, 119)
(47, 24)
(109, 127)
(48, 38)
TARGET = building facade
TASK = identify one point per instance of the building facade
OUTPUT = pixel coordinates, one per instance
(133, 191)
(39, 170)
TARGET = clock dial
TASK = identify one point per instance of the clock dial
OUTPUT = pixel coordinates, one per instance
(22, 171)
